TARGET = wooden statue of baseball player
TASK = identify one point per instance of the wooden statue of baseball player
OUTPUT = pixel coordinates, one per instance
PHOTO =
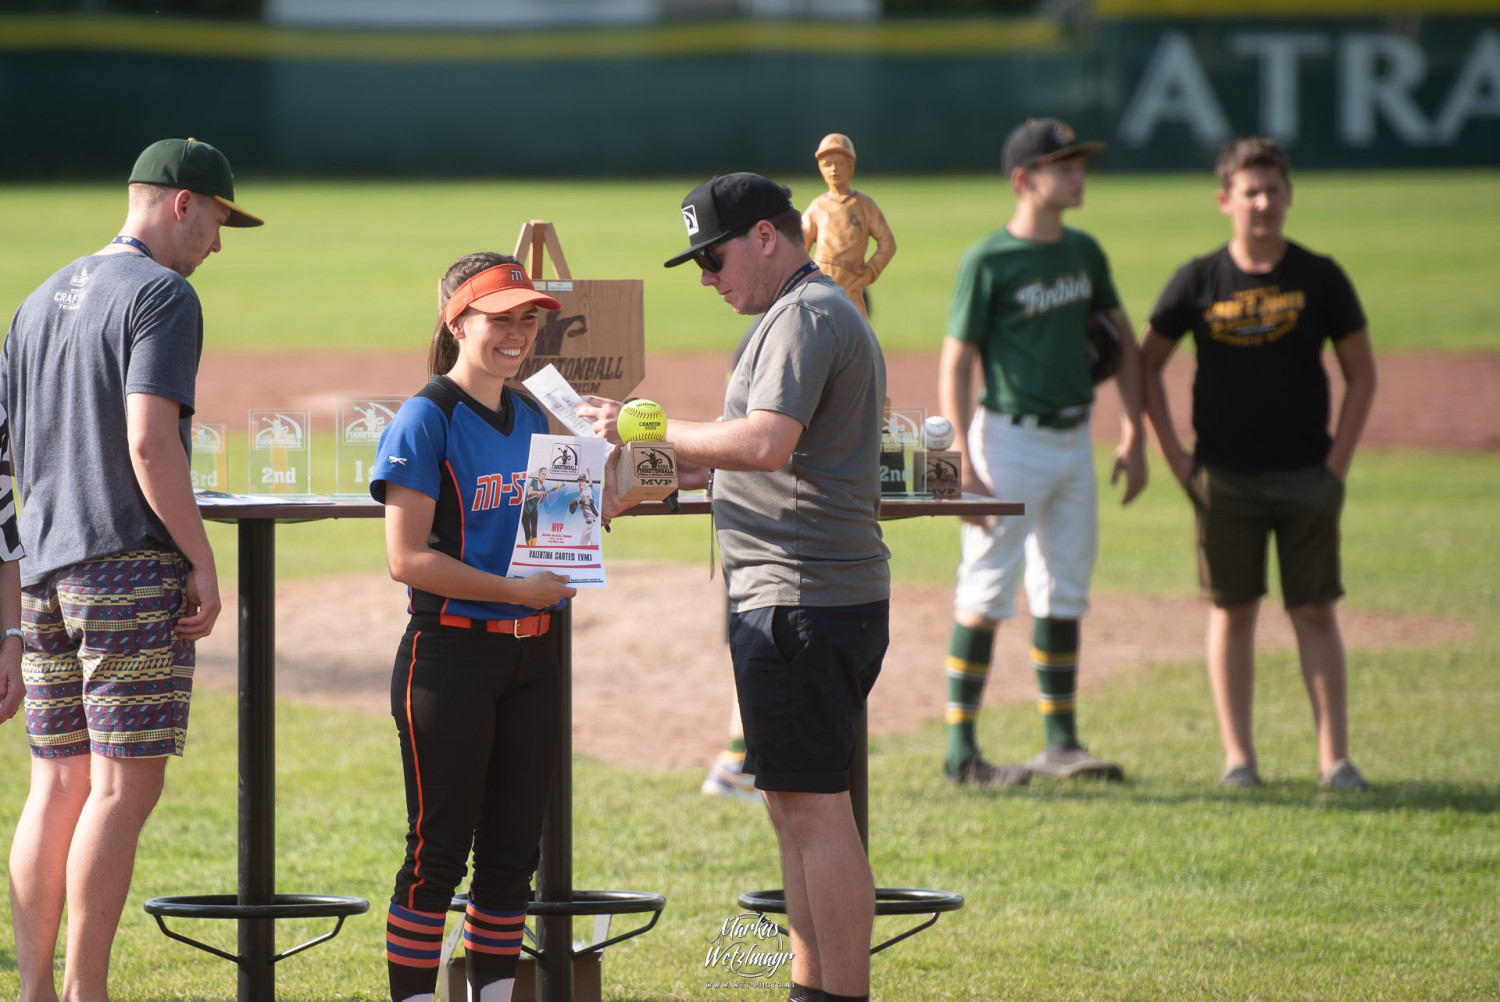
(842, 222)
(1021, 307)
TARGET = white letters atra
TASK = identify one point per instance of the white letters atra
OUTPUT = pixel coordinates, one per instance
(1378, 76)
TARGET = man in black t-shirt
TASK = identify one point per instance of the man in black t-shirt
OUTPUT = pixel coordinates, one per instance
(1259, 309)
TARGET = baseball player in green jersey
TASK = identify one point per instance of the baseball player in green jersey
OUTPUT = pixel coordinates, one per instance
(1021, 307)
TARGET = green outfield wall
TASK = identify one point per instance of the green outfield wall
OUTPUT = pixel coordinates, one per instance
(1165, 83)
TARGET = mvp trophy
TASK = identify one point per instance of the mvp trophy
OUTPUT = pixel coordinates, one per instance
(646, 471)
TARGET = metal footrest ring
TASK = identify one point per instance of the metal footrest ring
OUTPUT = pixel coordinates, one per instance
(590, 903)
(227, 906)
(888, 901)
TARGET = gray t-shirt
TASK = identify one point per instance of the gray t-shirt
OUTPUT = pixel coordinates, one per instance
(808, 533)
(101, 328)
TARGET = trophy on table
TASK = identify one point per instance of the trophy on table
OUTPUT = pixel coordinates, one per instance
(280, 452)
(210, 460)
(361, 419)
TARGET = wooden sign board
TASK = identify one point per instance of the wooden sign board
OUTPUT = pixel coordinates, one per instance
(597, 341)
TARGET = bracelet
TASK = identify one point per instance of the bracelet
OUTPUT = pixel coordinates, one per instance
(13, 631)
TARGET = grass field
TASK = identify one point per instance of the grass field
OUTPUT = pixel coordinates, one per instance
(354, 265)
(1167, 887)
(1164, 888)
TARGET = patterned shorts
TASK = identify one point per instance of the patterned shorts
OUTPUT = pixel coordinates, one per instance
(104, 671)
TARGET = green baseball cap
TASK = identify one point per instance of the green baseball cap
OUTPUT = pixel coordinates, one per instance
(194, 166)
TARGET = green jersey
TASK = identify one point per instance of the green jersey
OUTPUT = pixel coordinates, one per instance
(1026, 305)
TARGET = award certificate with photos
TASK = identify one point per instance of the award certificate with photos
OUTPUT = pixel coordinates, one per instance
(560, 522)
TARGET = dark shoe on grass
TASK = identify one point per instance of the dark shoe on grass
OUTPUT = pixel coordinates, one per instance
(1343, 776)
(1070, 760)
(975, 771)
(1240, 776)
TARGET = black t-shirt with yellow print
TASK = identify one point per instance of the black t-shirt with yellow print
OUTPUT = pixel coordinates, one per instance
(1260, 395)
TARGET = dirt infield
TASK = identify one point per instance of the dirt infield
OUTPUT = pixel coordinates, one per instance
(656, 694)
(1425, 401)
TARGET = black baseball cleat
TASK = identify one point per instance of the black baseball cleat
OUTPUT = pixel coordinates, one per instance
(1070, 760)
(975, 771)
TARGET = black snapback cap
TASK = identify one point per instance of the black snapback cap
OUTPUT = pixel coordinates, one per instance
(726, 206)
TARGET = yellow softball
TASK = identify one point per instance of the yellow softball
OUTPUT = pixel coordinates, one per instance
(642, 421)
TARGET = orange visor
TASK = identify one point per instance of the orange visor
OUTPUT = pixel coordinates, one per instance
(496, 290)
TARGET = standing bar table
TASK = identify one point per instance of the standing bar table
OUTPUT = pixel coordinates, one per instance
(256, 905)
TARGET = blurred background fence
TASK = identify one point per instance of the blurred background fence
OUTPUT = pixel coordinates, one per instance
(629, 88)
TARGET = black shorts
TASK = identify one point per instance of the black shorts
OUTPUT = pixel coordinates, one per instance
(802, 674)
(1236, 512)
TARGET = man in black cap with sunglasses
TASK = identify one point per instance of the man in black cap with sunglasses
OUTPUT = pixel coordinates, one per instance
(796, 496)
(97, 374)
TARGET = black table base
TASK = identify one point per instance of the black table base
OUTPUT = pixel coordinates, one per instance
(256, 906)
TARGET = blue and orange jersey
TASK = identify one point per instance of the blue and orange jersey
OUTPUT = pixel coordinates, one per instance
(472, 462)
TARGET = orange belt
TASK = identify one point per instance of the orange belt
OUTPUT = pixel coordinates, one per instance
(531, 626)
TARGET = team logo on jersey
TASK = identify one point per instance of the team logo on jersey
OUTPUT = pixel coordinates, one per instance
(1255, 316)
(1038, 298)
(690, 219)
(279, 431)
(396, 460)
(491, 488)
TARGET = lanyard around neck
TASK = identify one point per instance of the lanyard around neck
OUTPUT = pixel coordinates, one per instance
(133, 242)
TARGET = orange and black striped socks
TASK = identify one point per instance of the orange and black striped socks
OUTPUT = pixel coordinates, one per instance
(1054, 653)
(413, 949)
(968, 667)
(492, 948)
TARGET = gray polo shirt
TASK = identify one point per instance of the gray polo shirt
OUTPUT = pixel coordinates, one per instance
(808, 533)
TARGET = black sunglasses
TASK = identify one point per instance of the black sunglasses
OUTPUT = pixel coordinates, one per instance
(708, 258)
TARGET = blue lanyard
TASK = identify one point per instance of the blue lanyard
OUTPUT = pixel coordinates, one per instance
(797, 276)
(133, 242)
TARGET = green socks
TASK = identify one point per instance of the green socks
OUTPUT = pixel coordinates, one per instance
(968, 668)
(1054, 652)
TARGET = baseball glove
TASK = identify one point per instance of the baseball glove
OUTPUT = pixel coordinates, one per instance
(1104, 348)
(573, 507)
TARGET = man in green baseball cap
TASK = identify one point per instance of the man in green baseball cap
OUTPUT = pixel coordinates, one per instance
(105, 352)
(193, 166)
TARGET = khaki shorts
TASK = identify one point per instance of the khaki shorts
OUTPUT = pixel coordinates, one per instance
(1236, 512)
(104, 672)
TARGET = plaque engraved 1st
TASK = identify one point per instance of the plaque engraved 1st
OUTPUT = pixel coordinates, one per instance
(361, 419)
